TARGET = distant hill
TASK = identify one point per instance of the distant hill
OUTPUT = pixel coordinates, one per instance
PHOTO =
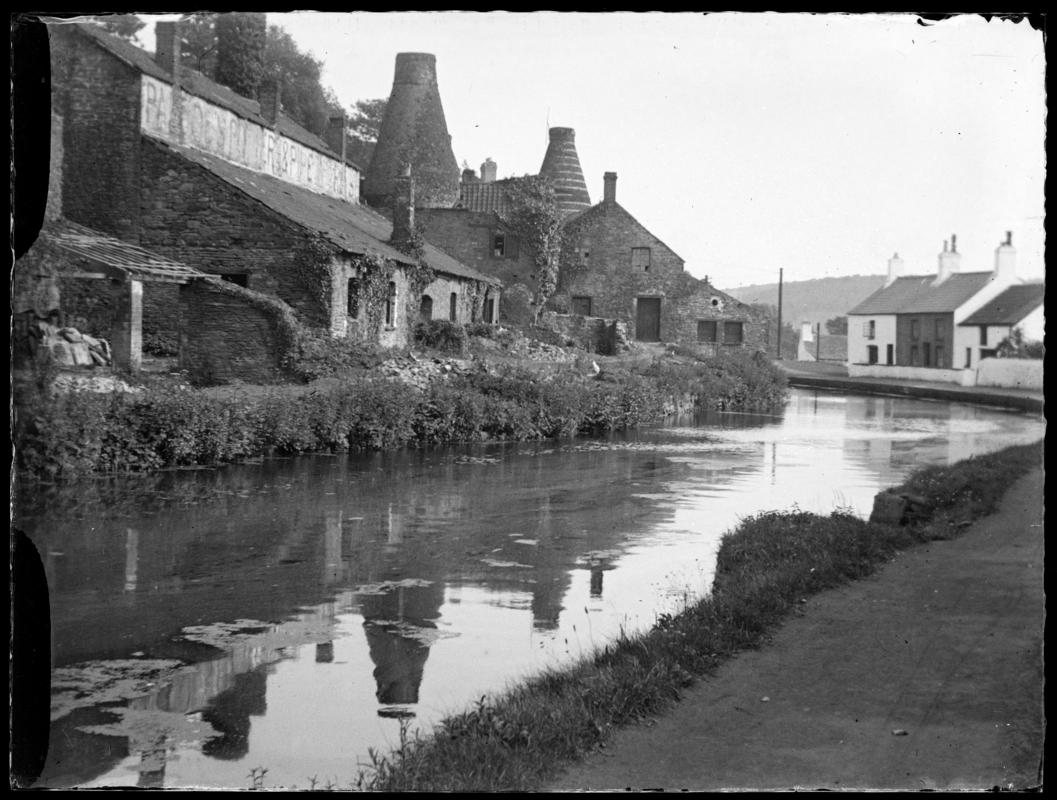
(815, 300)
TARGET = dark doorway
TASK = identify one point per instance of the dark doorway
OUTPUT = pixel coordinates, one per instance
(648, 319)
(425, 308)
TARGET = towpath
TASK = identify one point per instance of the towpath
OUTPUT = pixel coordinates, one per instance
(926, 675)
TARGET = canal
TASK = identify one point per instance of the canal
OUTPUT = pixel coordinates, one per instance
(294, 614)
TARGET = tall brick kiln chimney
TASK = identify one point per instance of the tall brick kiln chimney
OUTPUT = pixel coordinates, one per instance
(562, 165)
(403, 208)
(414, 132)
(488, 171)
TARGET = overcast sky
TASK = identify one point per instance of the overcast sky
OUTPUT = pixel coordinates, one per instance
(820, 144)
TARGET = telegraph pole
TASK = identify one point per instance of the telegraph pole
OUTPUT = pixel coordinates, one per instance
(779, 354)
(818, 340)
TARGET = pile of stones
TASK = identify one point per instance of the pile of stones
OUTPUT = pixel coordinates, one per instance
(68, 347)
(420, 372)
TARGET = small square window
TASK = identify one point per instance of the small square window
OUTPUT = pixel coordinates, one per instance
(640, 258)
(733, 333)
(581, 306)
(706, 330)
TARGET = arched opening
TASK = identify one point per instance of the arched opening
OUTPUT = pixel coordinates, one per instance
(425, 308)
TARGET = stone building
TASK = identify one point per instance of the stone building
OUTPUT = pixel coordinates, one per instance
(628, 274)
(157, 155)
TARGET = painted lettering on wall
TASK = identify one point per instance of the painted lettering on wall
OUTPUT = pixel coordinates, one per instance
(219, 132)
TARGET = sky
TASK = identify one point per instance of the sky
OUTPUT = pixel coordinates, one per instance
(818, 144)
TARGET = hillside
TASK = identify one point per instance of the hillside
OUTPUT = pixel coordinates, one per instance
(814, 300)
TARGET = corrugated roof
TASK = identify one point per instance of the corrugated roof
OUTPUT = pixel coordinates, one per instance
(199, 85)
(134, 261)
(1010, 307)
(915, 294)
(351, 226)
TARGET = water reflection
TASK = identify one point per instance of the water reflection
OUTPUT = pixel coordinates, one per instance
(288, 614)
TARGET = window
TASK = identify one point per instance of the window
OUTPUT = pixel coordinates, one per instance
(237, 278)
(889, 354)
(926, 354)
(453, 306)
(871, 354)
(968, 357)
(915, 329)
(940, 356)
(983, 335)
(871, 329)
(582, 306)
(352, 302)
(706, 330)
(504, 245)
(914, 355)
(733, 332)
(640, 258)
(390, 306)
(939, 330)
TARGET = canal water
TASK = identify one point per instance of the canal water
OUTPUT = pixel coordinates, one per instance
(292, 615)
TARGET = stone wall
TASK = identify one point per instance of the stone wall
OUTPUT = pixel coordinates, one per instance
(191, 215)
(230, 335)
(1011, 373)
(593, 334)
(99, 98)
(469, 236)
(614, 282)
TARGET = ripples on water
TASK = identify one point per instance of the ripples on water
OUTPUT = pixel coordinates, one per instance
(290, 614)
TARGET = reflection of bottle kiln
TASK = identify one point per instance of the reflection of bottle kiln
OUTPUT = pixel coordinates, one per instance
(399, 659)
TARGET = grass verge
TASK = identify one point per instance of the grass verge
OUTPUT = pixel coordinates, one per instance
(518, 740)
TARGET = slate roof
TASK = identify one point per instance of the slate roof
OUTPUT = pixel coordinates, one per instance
(133, 261)
(915, 294)
(351, 226)
(1010, 307)
(199, 85)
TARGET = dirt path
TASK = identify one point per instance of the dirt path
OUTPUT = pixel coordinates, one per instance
(926, 675)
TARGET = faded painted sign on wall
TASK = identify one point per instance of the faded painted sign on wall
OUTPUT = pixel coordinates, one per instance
(220, 132)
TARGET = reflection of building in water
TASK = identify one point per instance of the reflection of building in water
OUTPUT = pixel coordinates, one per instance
(398, 625)
(230, 712)
(131, 558)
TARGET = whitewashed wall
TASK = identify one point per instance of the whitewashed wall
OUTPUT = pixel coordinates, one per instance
(222, 133)
(884, 335)
(1011, 373)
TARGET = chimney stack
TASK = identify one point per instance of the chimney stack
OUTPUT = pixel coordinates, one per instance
(561, 165)
(335, 136)
(488, 171)
(1006, 260)
(895, 269)
(609, 181)
(403, 208)
(414, 131)
(949, 261)
(469, 176)
(167, 56)
(271, 96)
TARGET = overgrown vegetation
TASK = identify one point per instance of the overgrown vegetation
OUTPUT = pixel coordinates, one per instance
(442, 335)
(67, 434)
(516, 741)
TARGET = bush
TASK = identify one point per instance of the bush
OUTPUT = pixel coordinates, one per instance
(440, 334)
(485, 330)
(323, 357)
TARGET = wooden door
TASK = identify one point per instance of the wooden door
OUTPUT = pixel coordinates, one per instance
(648, 319)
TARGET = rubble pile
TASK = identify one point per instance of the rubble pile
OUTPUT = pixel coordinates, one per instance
(420, 372)
(68, 347)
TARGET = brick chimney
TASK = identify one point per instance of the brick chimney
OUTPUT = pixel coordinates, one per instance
(488, 171)
(895, 269)
(403, 208)
(270, 99)
(561, 165)
(609, 193)
(1006, 260)
(335, 136)
(469, 176)
(949, 261)
(167, 56)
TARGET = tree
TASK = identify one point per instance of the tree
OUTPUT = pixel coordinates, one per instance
(535, 217)
(837, 326)
(362, 126)
(240, 51)
(303, 97)
(124, 25)
(1016, 346)
(198, 43)
(789, 334)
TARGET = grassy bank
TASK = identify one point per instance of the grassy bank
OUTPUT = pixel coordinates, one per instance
(76, 433)
(518, 740)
